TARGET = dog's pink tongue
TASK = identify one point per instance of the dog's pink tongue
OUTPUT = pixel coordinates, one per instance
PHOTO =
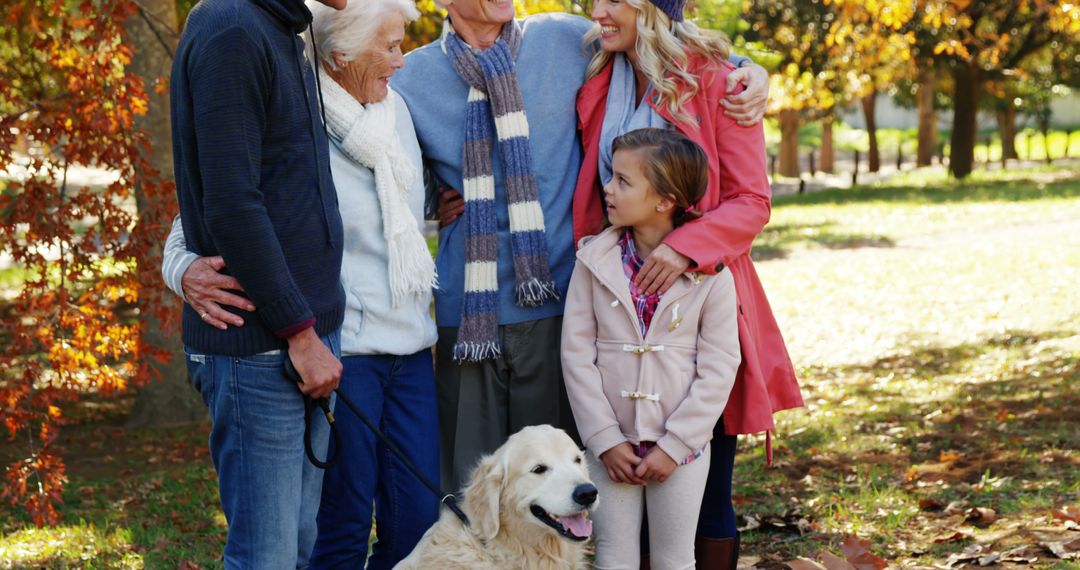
(578, 525)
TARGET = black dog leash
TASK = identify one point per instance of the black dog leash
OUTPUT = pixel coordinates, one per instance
(445, 498)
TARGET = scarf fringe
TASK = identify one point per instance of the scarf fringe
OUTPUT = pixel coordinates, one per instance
(466, 351)
(533, 293)
(401, 266)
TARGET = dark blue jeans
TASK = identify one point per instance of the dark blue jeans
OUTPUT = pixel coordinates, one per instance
(269, 490)
(398, 394)
(717, 518)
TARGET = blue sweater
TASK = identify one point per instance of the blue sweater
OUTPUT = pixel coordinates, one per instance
(550, 69)
(253, 171)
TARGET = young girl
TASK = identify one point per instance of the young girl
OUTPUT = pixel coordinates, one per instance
(648, 375)
(656, 68)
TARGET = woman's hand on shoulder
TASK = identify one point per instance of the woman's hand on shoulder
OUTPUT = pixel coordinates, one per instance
(748, 107)
(662, 267)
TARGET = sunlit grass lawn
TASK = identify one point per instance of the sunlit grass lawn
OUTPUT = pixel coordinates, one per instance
(136, 499)
(936, 330)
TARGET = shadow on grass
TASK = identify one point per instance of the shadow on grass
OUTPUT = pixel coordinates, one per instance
(942, 192)
(885, 446)
(777, 240)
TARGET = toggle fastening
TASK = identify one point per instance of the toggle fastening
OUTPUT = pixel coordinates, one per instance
(643, 348)
(640, 396)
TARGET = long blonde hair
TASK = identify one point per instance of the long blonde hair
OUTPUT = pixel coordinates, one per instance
(663, 50)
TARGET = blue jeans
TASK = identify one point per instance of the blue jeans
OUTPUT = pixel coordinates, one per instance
(269, 490)
(398, 394)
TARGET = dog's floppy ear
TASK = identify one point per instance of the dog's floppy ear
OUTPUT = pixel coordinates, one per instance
(482, 497)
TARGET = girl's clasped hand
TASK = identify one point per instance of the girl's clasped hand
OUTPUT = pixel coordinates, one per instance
(624, 466)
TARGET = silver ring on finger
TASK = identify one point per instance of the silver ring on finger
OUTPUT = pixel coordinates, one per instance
(203, 315)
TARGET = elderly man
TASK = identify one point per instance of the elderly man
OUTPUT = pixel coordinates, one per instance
(503, 270)
(253, 182)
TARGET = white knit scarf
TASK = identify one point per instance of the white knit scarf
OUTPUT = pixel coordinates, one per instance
(367, 134)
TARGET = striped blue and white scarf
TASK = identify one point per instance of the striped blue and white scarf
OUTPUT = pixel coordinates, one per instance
(495, 99)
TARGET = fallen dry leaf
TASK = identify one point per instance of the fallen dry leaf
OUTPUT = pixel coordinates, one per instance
(188, 565)
(834, 562)
(955, 508)
(752, 522)
(1065, 549)
(804, 564)
(1026, 554)
(970, 554)
(858, 554)
(955, 537)
(1069, 513)
(930, 504)
(947, 456)
(980, 516)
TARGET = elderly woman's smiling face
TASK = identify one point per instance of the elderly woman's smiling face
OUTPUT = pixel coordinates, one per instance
(367, 77)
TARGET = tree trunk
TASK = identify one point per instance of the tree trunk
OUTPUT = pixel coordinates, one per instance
(789, 143)
(928, 128)
(168, 399)
(828, 151)
(1006, 120)
(966, 103)
(869, 102)
(1044, 126)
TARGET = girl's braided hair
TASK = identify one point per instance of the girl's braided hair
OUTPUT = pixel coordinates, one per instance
(675, 166)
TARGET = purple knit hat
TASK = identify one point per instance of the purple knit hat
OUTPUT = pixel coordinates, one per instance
(673, 8)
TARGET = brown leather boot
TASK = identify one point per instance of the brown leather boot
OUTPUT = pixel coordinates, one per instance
(717, 553)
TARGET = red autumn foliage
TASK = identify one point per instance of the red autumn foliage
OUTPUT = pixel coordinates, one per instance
(74, 326)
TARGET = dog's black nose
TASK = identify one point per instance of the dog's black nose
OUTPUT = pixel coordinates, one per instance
(585, 494)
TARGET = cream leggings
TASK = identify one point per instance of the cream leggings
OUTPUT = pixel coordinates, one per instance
(673, 516)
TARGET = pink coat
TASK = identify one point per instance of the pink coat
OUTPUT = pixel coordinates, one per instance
(737, 207)
(670, 386)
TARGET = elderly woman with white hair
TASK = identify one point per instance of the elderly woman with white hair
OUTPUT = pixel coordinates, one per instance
(388, 275)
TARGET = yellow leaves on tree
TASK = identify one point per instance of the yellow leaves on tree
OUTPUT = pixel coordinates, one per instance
(67, 99)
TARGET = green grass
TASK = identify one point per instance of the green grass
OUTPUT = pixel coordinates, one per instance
(936, 329)
(136, 499)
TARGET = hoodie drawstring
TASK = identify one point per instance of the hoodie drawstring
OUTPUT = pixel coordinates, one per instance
(314, 138)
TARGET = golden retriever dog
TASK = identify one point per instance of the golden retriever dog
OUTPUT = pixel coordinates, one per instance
(528, 505)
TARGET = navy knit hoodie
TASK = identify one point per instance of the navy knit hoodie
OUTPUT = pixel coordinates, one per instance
(253, 171)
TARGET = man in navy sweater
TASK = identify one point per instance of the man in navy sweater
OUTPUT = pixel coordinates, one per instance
(253, 182)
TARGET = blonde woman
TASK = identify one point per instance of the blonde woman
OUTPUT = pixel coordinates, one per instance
(655, 69)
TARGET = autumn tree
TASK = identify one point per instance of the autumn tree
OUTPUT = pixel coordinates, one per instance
(808, 83)
(170, 400)
(876, 49)
(76, 326)
(986, 40)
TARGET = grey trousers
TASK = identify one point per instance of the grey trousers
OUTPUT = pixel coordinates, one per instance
(673, 507)
(483, 403)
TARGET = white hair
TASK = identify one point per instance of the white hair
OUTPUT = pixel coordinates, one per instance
(350, 31)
